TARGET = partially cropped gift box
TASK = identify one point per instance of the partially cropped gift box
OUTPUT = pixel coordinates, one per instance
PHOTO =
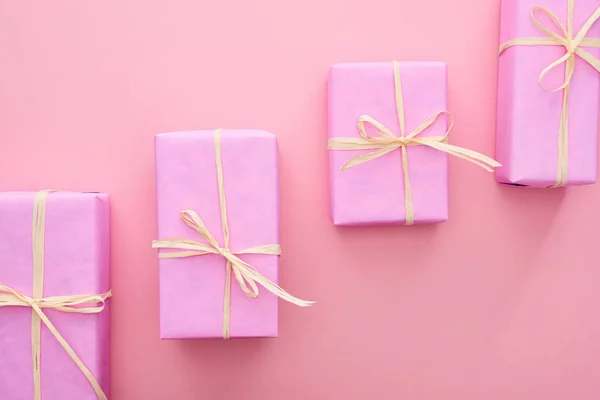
(388, 141)
(218, 229)
(548, 92)
(54, 284)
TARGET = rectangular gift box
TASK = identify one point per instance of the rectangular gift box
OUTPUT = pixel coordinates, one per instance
(373, 192)
(529, 118)
(76, 262)
(192, 289)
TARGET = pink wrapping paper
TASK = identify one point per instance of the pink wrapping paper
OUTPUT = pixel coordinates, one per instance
(76, 262)
(529, 118)
(373, 192)
(192, 289)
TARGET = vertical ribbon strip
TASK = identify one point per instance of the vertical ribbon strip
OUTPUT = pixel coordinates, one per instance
(387, 142)
(80, 304)
(573, 47)
(246, 275)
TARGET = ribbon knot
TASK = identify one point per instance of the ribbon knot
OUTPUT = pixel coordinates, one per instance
(388, 138)
(30, 301)
(388, 141)
(223, 252)
(573, 44)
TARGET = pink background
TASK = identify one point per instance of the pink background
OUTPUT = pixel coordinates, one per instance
(499, 303)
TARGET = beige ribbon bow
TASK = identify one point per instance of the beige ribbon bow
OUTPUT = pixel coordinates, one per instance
(573, 46)
(80, 304)
(246, 275)
(388, 142)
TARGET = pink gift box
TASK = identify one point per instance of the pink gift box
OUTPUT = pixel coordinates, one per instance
(76, 263)
(192, 289)
(373, 192)
(529, 118)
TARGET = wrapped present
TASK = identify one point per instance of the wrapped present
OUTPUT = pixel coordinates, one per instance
(218, 199)
(548, 92)
(54, 284)
(388, 131)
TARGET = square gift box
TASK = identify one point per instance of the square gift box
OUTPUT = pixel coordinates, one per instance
(388, 129)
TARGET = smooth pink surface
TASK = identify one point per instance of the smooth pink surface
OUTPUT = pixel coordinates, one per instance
(528, 117)
(76, 263)
(373, 193)
(192, 289)
(500, 303)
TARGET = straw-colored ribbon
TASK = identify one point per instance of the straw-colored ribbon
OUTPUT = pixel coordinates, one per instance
(387, 142)
(573, 47)
(246, 275)
(80, 304)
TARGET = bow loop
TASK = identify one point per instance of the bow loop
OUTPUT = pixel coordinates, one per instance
(80, 304)
(567, 58)
(245, 279)
(562, 38)
(11, 297)
(193, 220)
(386, 134)
(429, 122)
(571, 44)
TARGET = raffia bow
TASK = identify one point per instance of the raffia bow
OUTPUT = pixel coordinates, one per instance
(387, 142)
(79, 304)
(247, 276)
(573, 46)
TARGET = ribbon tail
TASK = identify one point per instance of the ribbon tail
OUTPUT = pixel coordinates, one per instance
(363, 158)
(593, 61)
(588, 25)
(95, 385)
(271, 249)
(248, 274)
(591, 42)
(278, 291)
(248, 285)
(471, 156)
